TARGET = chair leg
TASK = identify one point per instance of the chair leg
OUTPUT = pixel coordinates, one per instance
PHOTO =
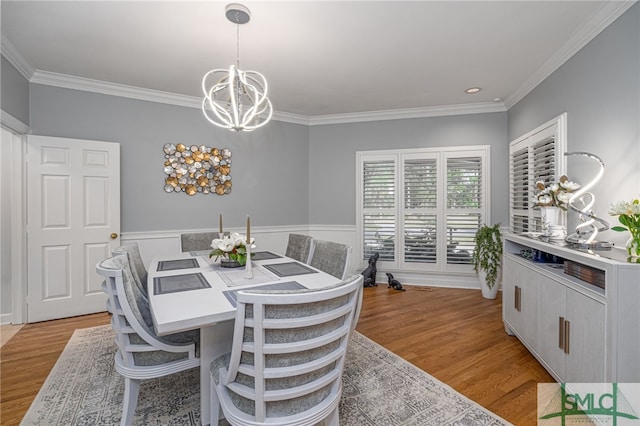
(214, 408)
(333, 418)
(131, 390)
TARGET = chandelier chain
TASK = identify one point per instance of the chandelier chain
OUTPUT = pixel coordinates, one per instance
(238, 45)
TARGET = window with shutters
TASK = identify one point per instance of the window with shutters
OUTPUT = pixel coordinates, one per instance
(420, 209)
(537, 155)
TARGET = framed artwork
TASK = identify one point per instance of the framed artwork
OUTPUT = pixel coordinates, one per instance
(197, 169)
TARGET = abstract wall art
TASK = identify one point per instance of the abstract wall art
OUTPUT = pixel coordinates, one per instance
(197, 169)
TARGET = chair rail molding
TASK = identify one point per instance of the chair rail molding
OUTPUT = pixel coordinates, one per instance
(275, 238)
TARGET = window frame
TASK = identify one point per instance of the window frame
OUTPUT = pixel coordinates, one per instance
(399, 156)
(556, 129)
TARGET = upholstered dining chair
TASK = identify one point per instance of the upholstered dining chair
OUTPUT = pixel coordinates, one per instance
(141, 353)
(138, 269)
(287, 356)
(197, 241)
(299, 247)
(330, 257)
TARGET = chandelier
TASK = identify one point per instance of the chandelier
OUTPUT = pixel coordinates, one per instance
(235, 99)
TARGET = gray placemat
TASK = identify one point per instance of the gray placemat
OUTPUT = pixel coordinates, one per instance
(176, 283)
(264, 255)
(289, 269)
(172, 265)
(232, 295)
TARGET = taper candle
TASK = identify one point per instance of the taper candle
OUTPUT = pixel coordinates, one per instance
(248, 230)
(221, 223)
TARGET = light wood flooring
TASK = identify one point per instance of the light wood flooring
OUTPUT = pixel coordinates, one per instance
(455, 335)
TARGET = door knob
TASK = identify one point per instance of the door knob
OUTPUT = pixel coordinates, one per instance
(114, 235)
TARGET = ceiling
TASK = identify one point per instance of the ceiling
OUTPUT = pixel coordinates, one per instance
(321, 58)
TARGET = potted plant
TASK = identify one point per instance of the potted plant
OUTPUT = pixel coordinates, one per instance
(487, 257)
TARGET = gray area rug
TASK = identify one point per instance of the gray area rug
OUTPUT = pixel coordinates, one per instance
(379, 388)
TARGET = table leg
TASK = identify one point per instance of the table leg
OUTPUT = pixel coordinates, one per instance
(215, 340)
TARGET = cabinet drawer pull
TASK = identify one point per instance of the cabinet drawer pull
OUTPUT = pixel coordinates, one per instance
(567, 337)
(561, 333)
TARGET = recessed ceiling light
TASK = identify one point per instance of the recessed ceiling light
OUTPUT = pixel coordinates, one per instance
(472, 90)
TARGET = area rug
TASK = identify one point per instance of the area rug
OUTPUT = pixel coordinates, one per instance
(379, 388)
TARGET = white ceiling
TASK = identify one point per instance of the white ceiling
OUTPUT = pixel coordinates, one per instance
(321, 58)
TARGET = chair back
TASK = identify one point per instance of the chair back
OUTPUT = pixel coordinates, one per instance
(330, 257)
(138, 344)
(299, 247)
(138, 270)
(288, 354)
(141, 354)
(197, 241)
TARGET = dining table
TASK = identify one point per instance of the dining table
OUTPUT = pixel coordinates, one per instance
(189, 291)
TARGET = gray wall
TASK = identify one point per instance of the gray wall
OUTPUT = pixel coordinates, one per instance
(332, 157)
(14, 96)
(599, 88)
(269, 166)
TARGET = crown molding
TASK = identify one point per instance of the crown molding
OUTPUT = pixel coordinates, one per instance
(132, 92)
(289, 117)
(399, 114)
(597, 22)
(9, 121)
(14, 57)
(114, 89)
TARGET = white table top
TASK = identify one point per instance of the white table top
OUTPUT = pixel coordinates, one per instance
(192, 309)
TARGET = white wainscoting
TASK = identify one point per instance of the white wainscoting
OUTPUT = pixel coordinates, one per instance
(156, 243)
(275, 239)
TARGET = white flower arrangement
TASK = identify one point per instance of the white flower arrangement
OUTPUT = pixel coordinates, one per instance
(232, 247)
(628, 213)
(557, 194)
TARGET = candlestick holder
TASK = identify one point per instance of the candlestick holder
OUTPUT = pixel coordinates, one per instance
(248, 271)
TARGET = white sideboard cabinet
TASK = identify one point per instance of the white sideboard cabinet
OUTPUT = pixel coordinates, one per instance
(578, 312)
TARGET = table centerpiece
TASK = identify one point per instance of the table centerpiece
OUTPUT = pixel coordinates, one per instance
(231, 249)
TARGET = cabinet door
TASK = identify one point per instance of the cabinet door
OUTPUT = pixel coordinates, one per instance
(553, 300)
(529, 306)
(510, 279)
(586, 339)
(520, 300)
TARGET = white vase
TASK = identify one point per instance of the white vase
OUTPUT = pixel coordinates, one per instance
(488, 293)
(550, 216)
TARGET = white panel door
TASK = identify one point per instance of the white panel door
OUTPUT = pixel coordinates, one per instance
(73, 222)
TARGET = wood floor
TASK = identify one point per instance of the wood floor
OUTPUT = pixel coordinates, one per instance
(455, 335)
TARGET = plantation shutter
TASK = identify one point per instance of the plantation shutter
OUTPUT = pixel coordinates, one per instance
(538, 155)
(419, 216)
(544, 161)
(419, 209)
(465, 198)
(379, 208)
(543, 169)
(520, 189)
